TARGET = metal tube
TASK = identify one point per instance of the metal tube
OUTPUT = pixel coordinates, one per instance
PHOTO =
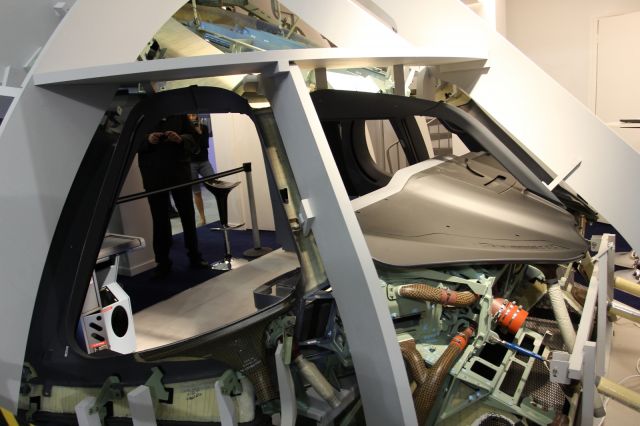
(145, 194)
(617, 392)
(257, 249)
(311, 263)
(438, 295)
(227, 244)
(520, 350)
(627, 286)
(252, 206)
(625, 311)
(233, 40)
(561, 314)
(196, 18)
(317, 381)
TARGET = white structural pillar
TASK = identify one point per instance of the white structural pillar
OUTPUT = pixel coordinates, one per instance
(141, 407)
(286, 389)
(382, 378)
(84, 415)
(544, 117)
(226, 408)
(45, 134)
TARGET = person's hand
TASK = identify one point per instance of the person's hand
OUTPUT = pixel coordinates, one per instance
(173, 136)
(154, 137)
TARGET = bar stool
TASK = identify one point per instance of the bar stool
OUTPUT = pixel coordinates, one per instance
(221, 190)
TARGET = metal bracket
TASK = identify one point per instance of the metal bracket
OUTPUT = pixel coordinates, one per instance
(229, 383)
(564, 176)
(559, 368)
(279, 328)
(391, 292)
(111, 390)
(306, 216)
(61, 8)
(32, 59)
(5, 75)
(155, 385)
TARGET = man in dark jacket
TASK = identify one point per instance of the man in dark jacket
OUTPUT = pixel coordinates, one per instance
(164, 161)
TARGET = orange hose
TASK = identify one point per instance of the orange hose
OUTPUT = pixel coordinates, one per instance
(437, 295)
(430, 380)
(417, 367)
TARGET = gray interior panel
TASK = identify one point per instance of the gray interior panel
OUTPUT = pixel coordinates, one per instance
(468, 210)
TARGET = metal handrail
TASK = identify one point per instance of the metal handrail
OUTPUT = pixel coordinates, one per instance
(144, 194)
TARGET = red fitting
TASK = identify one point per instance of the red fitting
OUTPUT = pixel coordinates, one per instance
(448, 297)
(461, 339)
(508, 314)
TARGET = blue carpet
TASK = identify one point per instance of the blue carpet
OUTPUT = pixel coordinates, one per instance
(145, 291)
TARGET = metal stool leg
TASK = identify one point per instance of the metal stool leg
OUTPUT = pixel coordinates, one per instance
(229, 262)
(221, 191)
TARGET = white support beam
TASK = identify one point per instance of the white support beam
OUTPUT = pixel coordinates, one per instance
(398, 80)
(382, 378)
(141, 406)
(254, 62)
(12, 92)
(84, 415)
(226, 408)
(604, 327)
(588, 385)
(286, 389)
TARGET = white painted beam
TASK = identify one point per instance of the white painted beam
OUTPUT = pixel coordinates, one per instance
(141, 407)
(83, 414)
(255, 62)
(12, 92)
(382, 379)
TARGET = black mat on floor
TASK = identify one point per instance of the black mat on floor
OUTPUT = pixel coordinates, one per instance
(145, 291)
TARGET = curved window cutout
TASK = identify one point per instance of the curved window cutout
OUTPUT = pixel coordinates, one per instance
(385, 148)
(164, 277)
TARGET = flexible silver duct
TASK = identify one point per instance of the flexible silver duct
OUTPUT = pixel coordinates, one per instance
(561, 313)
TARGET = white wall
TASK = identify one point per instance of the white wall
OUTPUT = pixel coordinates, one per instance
(235, 141)
(134, 218)
(559, 37)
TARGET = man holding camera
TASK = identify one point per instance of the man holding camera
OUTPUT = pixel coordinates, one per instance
(164, 161)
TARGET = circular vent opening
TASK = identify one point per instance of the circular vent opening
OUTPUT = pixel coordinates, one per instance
(119, 321)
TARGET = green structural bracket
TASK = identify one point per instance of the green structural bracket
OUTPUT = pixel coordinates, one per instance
(287, 347)
(280, 328)
(155, 385)
(230, 384)
(111, 390)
